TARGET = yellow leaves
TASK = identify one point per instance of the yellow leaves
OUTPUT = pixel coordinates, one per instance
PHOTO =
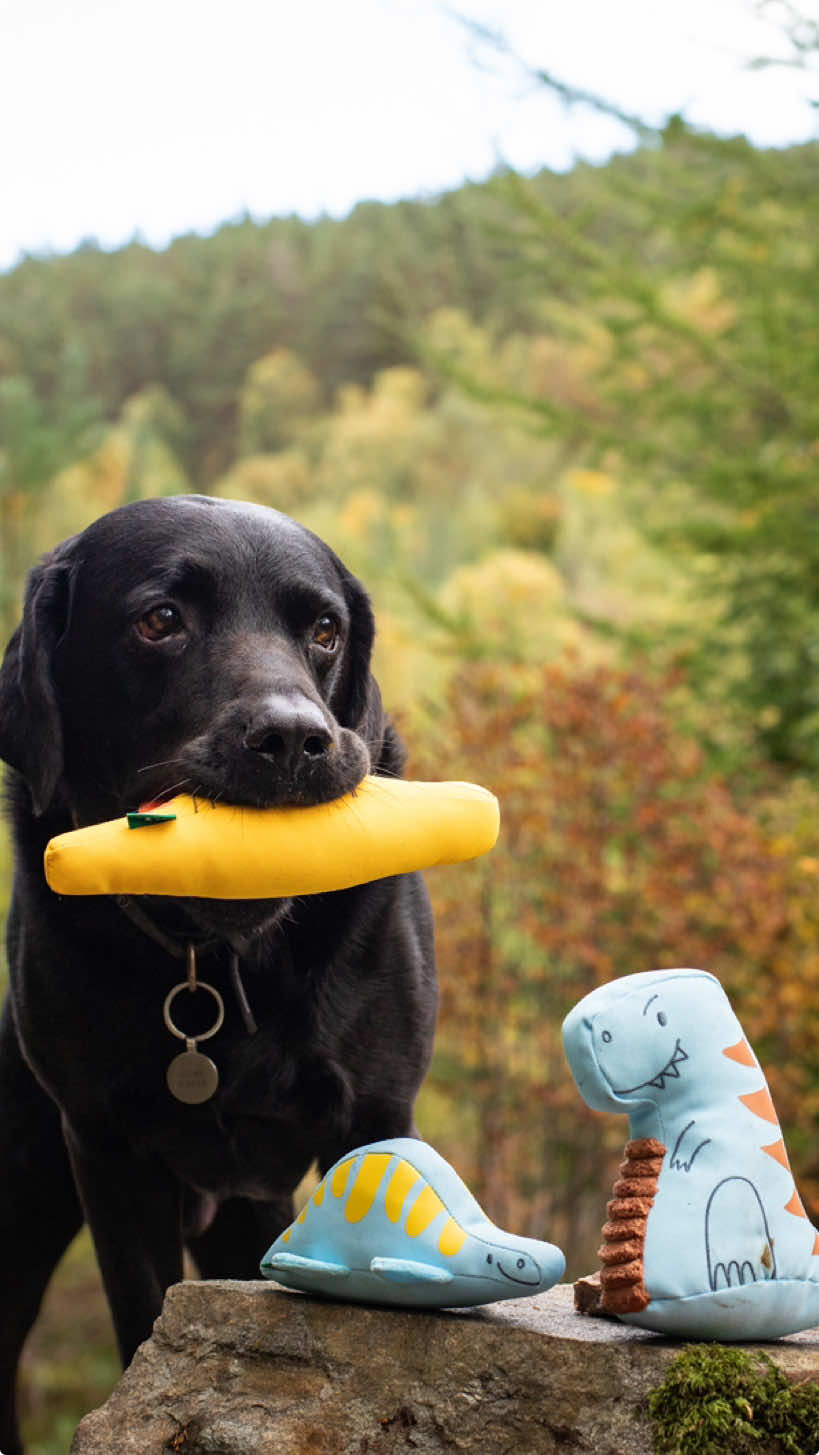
(385, 414)
(516, 600)
(555, 369)
(636, 375)
(371, 521)
(372, 439)
(791, 996)
(591, 482)
(98, 482)
(521, 578)
(361, 512)
(15, 502)
(615, 869)
(410, 676)
(282, 481)
(451, 333)
(700, 302)
(350, 398)
(403, 386)
(507, 588)
(279, 395)
(528, 519)
(132, 462)
(769, 716)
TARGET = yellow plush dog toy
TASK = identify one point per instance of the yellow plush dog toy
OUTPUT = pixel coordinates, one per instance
(191, 847)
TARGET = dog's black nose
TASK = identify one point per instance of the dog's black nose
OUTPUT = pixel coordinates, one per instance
(289, 731)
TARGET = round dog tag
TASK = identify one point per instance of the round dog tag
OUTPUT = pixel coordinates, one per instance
(192, 1077)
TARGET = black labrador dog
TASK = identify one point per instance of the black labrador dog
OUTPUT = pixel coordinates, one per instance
(201, 646)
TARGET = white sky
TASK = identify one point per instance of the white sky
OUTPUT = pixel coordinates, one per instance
(166, 116)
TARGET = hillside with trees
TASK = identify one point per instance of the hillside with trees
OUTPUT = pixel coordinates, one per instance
(566, 429)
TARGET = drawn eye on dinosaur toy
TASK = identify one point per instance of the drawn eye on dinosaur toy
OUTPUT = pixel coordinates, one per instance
(706, 1235)
(393, 1223)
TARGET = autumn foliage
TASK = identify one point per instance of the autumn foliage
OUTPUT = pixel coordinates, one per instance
(565, 429)
(620, 851)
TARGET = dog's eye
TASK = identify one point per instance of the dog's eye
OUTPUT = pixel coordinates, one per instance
(326, 633)
(159, 622)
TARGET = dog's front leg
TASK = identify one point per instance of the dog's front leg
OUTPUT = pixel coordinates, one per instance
(39, 1211)
(132, 1204)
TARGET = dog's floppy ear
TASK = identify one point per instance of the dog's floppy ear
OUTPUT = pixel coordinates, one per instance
(31, 735)
(359, 705)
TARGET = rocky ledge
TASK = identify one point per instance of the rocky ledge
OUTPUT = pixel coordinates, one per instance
(248, 1369)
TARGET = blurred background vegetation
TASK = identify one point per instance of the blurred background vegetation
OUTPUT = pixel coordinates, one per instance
(566, 428)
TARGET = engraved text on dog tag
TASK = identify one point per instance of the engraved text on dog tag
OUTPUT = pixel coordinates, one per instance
(192, 1077)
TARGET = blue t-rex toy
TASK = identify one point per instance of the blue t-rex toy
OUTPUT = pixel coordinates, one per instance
(707, 1236)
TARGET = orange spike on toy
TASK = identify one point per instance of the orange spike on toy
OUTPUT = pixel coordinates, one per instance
(741, 1053)
(779, 1154)
(759, 1102)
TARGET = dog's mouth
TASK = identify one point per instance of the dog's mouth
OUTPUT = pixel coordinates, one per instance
(252, 785)
(248, 781)
(158, 800)
(211, 769)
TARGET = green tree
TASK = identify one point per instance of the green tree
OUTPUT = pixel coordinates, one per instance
(278, 396)
(684, 274)
(34, 443)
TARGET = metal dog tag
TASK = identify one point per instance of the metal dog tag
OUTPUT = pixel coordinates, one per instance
(192, 1077)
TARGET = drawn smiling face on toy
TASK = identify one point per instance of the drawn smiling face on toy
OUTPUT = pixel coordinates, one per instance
(633, 1040)
(638, 1048)
(514, 1265)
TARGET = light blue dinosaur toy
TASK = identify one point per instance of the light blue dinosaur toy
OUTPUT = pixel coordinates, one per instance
(706, 1237)
(393, 1223)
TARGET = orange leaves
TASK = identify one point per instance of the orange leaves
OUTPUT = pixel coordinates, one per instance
(619, 851)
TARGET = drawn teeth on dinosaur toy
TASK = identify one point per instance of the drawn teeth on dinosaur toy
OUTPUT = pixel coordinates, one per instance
(400, 1227)
(719, 1246)
(672, 1069)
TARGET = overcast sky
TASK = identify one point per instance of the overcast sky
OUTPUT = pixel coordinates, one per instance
(164, 116)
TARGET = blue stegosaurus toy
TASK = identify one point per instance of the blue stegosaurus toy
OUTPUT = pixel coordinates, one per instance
(392, 1223)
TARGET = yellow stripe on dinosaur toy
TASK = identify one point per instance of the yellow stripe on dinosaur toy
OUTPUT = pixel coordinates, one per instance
(223, 851)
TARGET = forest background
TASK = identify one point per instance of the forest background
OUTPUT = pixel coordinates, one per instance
(566, 429)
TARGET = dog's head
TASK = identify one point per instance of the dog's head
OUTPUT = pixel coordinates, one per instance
(191, 645)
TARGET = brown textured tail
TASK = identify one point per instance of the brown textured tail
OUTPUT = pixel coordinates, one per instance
(624, 1235)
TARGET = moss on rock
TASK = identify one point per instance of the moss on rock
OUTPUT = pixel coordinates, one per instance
(716, 1399)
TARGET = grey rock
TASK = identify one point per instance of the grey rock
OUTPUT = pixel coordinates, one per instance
(249, 1369)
